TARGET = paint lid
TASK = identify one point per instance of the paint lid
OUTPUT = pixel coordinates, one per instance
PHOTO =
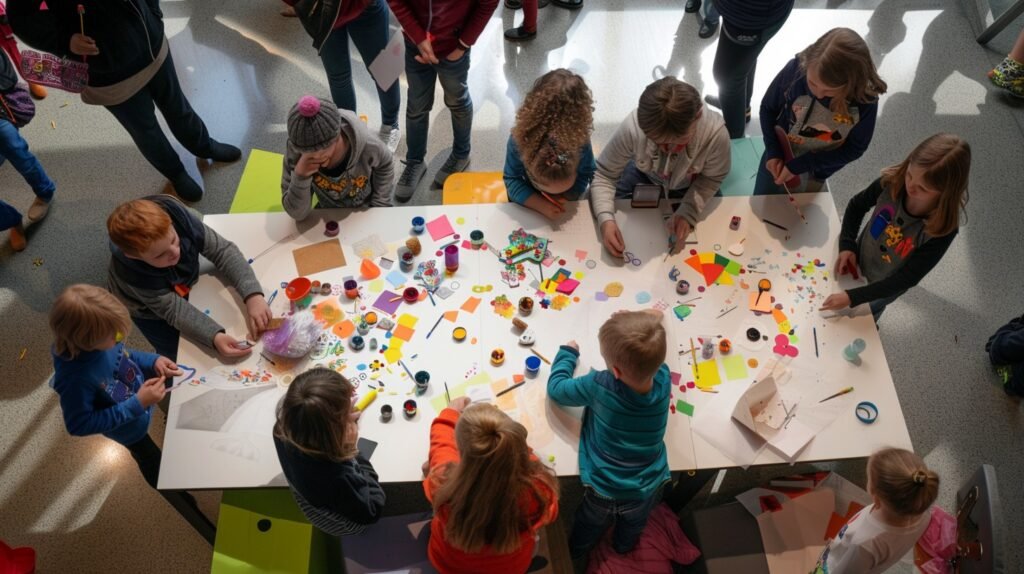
(532, 363)
(459, 334)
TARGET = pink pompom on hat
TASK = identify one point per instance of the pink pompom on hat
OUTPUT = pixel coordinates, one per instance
(313, 124)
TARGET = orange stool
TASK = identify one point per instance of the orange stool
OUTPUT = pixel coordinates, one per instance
(474, 187)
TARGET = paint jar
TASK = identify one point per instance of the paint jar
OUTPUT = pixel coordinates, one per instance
(331, 229)
(476, 238)
(497, 357)
(683, 287)
(459, 334)
(370, 317)
(532, 366)
(386, 412)
(362, 327)
(724, 346)
(411, 295)
(299, 292)
(422, 379)
(852, 351)
(526, 306)
(417, 224)
(356, 342)
(451, 258)
(413, 244)
(707, 350)
(351, 288)
(409, 408)
(325, 289)
(405, 259)
(373, 344)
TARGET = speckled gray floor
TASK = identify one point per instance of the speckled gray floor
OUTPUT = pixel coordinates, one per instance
(82, 504)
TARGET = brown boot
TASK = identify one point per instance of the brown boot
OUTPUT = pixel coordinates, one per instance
(38, 91)
(38, 210)
(17, 238)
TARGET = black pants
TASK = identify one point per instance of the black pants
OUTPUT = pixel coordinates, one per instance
(138, 116)
(147, 456)
(734, 67)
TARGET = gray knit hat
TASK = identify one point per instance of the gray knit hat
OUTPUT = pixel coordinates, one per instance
(313, 123)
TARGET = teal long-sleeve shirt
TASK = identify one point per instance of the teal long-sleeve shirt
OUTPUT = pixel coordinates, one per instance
(622, 444)
(519, 187)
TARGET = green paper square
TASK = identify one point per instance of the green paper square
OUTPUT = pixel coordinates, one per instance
(684, 407)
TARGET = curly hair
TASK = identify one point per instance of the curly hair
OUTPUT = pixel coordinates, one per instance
(553, 124)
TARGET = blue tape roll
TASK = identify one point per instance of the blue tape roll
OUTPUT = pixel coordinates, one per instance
(866, 412)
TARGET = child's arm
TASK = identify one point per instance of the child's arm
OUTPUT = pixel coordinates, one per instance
(296, 190)
(709, 180)
(562, 388)
(610, 166)
(772, 105)
(229, 261)
(918, 264)
(516, 185)
(175, 310)
(853, 217)
(41, 29)
(477, 21)
(585, 172)
(368, 505)
(404, 14)
(823, 164)
(383, 174)
(145, 361)
(82, 419)
(442, 446)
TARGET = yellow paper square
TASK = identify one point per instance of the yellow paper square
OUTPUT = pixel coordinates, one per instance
(407, 320)
(395, 343)
(376, 286)
(392, 355)
(707, 257)
(548, 286)
(706, 375)
(724, 279)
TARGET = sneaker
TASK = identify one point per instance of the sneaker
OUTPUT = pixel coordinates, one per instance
(707, 29)
(570, 4)
(451, 165)
(513, 4)
(714, 102)
(186, 187)
(223, 152)
(1008, 71)
(17, 238)
(411, 177)
(519, 33)
(38, 210)
(390, 135)
(38, 92)
(691, 6)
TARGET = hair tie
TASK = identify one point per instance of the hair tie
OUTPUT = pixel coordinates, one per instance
(555, 156)
(309, 106)
(920, 477)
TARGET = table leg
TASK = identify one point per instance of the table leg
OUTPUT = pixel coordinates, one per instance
(686, 487)
(186, 506)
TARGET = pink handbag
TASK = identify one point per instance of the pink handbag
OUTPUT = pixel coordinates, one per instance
(55, 72)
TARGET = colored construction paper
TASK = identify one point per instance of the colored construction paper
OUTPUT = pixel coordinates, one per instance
(407, 320)
(735, 367)
(721, 260)
(724, 279)
(396, 279)
(707, 258)
(762, 306)
(470, 305)
(401, 332)
(440, 228)
(684, 407)
(567, 286)
(452, 315)
(388, 302)
(675, 378)
(375, 286)
(344, 329)
(581, 254)
(712, 271)
(707, 374)
(733, 267)
(389, 63)
(694, 262)
(392, 355)
(395, 343)
(439, 402)
(318, 257)
(682, 311)
(549, 286)
(259, 190)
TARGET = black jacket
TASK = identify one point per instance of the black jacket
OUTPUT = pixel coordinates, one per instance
(318, 17)
(128, 33)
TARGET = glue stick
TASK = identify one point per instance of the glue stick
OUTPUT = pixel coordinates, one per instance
(366, 400)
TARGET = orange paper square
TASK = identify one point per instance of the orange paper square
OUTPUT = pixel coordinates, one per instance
(402, 332)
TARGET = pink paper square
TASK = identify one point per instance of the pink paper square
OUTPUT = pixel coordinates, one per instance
(440, 228)
(567, 286)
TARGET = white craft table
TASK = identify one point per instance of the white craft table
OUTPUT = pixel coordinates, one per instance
(228, 441)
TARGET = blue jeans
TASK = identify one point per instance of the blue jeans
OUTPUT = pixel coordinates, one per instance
(13, 147)
(369, 33)
(711, 15)
(597, 512)
(453, 77)
(161, 335)
(734, 67)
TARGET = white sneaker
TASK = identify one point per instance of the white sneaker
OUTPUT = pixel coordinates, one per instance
(390, 136)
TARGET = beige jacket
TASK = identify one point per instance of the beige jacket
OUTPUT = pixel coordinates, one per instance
(706, 159)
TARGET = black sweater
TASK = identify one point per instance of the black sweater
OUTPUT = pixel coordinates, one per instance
(128, 33)
(753, 15)
(914, 266)
(348, 488)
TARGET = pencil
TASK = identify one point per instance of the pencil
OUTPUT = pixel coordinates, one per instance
(815, 341)
(407, 371)
(393, 299)
(272, 295)
(512, 388)
(539, 356)
(269, 360)
(447, 397)
(726, 312)
(845, 391)
(549, 198)
(438, 322)
(773, 224)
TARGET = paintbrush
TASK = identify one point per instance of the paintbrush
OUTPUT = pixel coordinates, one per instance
(845, 391)
(792, 200)
(431, 332)
(693, 352)
(407, 371)
(512, 388)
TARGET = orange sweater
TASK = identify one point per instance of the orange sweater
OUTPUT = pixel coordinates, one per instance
(450, 560)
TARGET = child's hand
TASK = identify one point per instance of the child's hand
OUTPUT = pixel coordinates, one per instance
(306, 166)
(836, 301)
(550, 210)
(459, 403)
(151, 392)
(847, 263)
(351, 432)
(573, 345)
(259, 315)
(784, 176)
(426, 55)
(612, 238)
(679, 228)
(354, 415)
(425, 468)
(83, 45)
(228, 346)
(774, 166)
(455, 55)
(166, 368)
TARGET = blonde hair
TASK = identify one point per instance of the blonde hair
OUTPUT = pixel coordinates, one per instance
(668, 107)
(483, 491)
(84, 317)
(902, 481)
(635, 342)
(844, 62)
(553, 124)
(313, 416)
(137, 224)
(946, 161)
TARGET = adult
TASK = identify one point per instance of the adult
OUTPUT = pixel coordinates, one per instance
(747, 25)
(130, 71)
(330, 23)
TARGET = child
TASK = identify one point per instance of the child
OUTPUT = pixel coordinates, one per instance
(331, 155)
(1006, 351)
(672, 141)
(438, 37)
(528, 29)
(155, 244)
(623, 463)
(13, 147)
(490, 494)
(825, 101)
(549, 151)
(916, 207)
(315, 437)
(877, 537)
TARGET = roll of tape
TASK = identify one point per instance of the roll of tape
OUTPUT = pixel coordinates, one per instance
(866, 412)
